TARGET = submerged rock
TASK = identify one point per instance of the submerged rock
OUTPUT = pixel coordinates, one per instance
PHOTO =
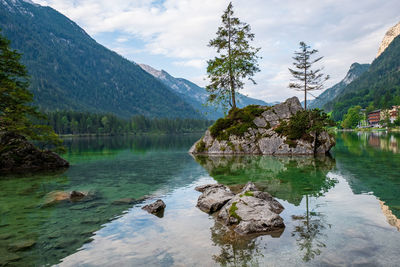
(156, 208)
(249, 212)
(214, 197)
(124, 201)
(258, 136)
(19, 155)
(58, 196)
(22, 245)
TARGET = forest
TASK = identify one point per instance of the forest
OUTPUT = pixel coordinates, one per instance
(74, 122)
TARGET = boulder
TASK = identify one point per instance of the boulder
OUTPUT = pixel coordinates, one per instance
(252, 212)
(156, 208)
(213, 198)
(249, 212)
(19, 155)
(261, 137)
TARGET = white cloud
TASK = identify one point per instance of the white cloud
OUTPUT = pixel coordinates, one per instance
(195, 63)
(343, 31)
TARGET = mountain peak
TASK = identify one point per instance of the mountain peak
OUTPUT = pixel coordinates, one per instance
(356, 69)
(389, 37)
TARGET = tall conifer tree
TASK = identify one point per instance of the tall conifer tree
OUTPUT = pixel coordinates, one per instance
(16, 113)
(306, 79)
(237, 60)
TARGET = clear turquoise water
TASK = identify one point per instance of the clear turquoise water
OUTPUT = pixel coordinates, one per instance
(339, 210)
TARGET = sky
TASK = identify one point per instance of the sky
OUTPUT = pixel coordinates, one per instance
(173, 34)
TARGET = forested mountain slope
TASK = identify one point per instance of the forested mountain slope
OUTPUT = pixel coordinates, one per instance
(69, 70)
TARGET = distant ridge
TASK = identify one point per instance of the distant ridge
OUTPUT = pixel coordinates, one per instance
(196, 95)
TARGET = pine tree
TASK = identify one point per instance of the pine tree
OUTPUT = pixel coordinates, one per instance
(237, 60)
(308, 79)
(16, 113)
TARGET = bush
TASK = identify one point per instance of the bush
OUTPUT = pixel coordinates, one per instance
(302, 124)
(237, 122)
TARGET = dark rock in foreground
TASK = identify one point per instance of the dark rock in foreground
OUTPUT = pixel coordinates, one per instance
(249, 212)
(258, 136)
(156, 208)
(18, 155)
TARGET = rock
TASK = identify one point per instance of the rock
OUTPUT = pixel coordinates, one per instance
(58, 196)
(7, 258)
(19, 155)
(203, 188)
(124, 201)
(252, 212)
(390, 35)
(156, 208)
(22, 245)
(214, 197)
(76, 195)
(249, 212)
(262, 138)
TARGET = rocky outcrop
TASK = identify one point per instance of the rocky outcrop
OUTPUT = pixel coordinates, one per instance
(156, 208)
(388, 38)
(214, 197)
(19, 155)
(261, 137)
(249, 212)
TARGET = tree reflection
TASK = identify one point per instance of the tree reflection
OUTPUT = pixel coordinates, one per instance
(287, 178)
(235, 249)
(309, 232)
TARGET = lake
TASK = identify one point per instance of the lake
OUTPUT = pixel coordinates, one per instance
(339, 210)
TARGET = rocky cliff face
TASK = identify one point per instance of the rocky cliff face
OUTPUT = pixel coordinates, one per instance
(260, 137)
(389, 37)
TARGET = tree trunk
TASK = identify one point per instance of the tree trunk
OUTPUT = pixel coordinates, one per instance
(232, 84)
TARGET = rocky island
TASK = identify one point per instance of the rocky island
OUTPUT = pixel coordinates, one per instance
(283, 129)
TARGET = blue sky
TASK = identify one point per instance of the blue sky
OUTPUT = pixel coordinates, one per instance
(173, 34)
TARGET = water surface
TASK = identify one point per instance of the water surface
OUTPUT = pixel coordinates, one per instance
(339, 210)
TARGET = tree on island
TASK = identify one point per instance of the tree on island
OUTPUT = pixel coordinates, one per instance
(17, 116)
(237, 60)
(305, 78)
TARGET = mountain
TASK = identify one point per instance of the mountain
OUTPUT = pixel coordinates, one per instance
(69, 70)
(196, 95)
(329, 94)
(388, 38)
(380, 85)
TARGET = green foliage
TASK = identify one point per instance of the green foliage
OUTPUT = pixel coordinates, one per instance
(201, 146)
(237, 122)
(397, 121)
(237, 60)
(70, 71)
(247, 194)
(308, 79)
(352, 118)
(303, 124)
(378, 87)
(73, 122)
(16, 113)
(232, 212)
